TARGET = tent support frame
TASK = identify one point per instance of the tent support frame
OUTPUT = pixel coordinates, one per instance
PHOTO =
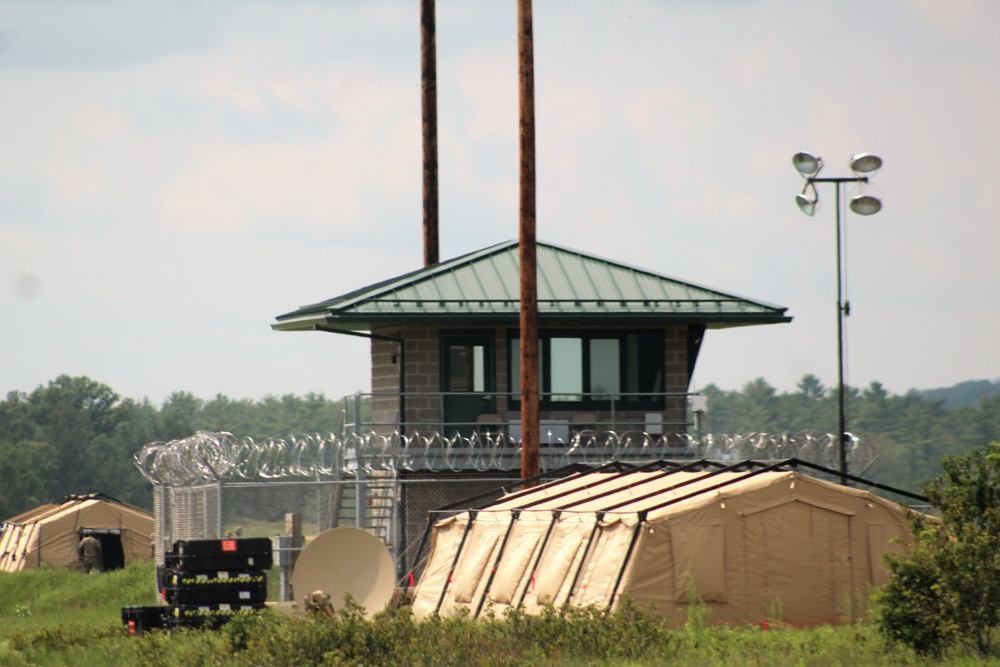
(541, 552)
(423, 543)
(583, 559)
(628, 556)
(690, 466)
(516, 514)
(454, 562)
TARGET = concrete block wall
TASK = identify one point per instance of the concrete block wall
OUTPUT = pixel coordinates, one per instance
(423, 376)
(675, 375)
(385, 380)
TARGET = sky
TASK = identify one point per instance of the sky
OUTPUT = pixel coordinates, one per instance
(174, 175)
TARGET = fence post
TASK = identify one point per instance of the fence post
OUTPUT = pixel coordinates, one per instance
(289, 546)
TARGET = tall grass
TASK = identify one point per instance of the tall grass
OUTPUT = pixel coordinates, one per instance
(47, 598)
(62, 618)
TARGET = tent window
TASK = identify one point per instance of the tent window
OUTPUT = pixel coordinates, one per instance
(699, 554)
(468, 576)
(553, 573)
(511, 570)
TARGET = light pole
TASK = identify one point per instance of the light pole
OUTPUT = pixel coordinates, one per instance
(861, 165)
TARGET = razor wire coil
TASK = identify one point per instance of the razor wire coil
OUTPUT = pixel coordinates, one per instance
(207, 457)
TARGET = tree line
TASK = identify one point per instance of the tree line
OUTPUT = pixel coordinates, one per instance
(76, 435)
(910, 432)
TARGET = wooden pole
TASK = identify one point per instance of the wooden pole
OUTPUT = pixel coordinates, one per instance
(530, 460)
(428, 88)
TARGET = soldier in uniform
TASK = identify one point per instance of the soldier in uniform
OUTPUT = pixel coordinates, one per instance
(88, 551)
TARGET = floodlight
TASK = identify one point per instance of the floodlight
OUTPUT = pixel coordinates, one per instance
(806, 164)
(808, 199)
(865, 163)
(807, 205)
(865, 205)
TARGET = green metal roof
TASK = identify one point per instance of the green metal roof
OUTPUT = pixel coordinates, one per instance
(573, 288)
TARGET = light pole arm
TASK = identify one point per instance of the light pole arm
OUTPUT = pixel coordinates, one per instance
(853, 179)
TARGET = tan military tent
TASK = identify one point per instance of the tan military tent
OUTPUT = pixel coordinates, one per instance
(48, 535)
(754, 543)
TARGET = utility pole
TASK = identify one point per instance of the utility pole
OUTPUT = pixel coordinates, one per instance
(428, 88)
(530, 459)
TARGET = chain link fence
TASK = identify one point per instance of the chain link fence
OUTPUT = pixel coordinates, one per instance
(215, 485)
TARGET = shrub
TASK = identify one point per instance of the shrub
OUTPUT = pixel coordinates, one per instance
(947, 588)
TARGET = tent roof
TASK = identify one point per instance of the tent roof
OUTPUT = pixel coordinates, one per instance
(573, 288)
(664, 488)
(29, 516)
(71, 503)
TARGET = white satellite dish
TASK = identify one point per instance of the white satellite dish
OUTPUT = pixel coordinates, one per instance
(346, 560)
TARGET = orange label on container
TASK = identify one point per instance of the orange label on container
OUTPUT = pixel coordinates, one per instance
(229, 545)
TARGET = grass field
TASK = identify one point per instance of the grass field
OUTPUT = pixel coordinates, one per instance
(56, 617)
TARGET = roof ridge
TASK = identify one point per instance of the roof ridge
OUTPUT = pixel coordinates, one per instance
(429, 272)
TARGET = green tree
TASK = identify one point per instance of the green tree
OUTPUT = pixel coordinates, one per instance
(68, 414)
(909, 433)
(225, 414)
(760, 405)
(63, 438)
(75, 435)
(947, 588)
(116, 473)
(179, 415)
(26, 469)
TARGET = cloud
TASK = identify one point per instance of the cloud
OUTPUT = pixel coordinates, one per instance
(174, 175)
(66, 35)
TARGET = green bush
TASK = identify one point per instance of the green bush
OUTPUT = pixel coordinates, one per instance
(911, 608)
(946, 590)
